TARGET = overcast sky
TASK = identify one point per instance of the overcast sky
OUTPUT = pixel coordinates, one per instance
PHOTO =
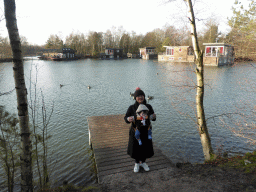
(38, 19)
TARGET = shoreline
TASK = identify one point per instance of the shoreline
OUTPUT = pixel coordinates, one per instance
(221, 174)
(235, 173)
(3, 60)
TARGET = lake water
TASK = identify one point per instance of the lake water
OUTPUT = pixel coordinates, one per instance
(229, 90)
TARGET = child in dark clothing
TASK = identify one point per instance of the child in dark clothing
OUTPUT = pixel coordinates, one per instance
(142, 119)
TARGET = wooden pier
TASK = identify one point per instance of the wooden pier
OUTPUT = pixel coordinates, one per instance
(108, 137)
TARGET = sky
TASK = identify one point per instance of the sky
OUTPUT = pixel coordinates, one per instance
(38, 19)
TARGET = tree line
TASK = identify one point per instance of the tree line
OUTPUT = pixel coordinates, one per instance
(27, 49)
(94, 42)
(241, 36)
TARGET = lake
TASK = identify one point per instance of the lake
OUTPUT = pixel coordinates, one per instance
(229, 102)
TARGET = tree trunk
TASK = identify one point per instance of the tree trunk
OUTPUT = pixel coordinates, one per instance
(21, 91)
(202, 127)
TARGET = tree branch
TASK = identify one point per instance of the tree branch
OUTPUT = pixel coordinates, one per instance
(7, 93)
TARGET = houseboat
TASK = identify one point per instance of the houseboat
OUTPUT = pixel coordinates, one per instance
(112, 53)
(148, 53)
(177, 54)
(218, 54)
(133, 55)
(57, 55)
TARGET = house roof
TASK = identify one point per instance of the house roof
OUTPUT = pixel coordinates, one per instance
(217, 44)
(148, 48)
(68, 50)
(176, 46)
(114, 48)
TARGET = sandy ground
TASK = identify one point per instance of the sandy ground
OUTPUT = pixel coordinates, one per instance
(187, 178)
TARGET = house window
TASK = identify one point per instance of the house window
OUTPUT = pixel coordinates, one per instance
(220, 51)
(190, 51)
(208, 52)
(169, 51)
(110, 52)
(214, 51)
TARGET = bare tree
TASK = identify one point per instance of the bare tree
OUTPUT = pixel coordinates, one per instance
(201, 122)
(6, 93)
(40, 132)
(21, 91)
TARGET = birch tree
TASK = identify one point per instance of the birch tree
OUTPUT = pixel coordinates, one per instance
(201, 122)
(21, 92)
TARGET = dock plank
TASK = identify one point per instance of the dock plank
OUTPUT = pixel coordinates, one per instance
(109, 137)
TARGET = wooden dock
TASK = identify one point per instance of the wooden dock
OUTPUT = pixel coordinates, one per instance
(108, 137)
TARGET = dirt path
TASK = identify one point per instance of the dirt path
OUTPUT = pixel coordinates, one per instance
(187, 178)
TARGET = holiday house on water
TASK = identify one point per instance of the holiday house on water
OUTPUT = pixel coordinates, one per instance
(217, 54)
(112, 53)
(148, 53)
(177, 54)
(60, 55)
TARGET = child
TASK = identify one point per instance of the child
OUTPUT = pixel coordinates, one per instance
(142, 119)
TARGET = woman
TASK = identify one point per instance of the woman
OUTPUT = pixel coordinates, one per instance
(139, 152)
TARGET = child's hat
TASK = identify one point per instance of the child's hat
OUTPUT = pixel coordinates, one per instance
(141, 108)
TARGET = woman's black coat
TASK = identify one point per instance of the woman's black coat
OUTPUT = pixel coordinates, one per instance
(135, 150)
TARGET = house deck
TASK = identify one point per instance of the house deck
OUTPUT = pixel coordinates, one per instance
(108, 137)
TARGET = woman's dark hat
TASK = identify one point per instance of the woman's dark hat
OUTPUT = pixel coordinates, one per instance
(138, 93)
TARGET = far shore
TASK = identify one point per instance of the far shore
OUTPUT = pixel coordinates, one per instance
(237, 59)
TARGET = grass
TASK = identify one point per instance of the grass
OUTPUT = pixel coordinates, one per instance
(246, 163)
